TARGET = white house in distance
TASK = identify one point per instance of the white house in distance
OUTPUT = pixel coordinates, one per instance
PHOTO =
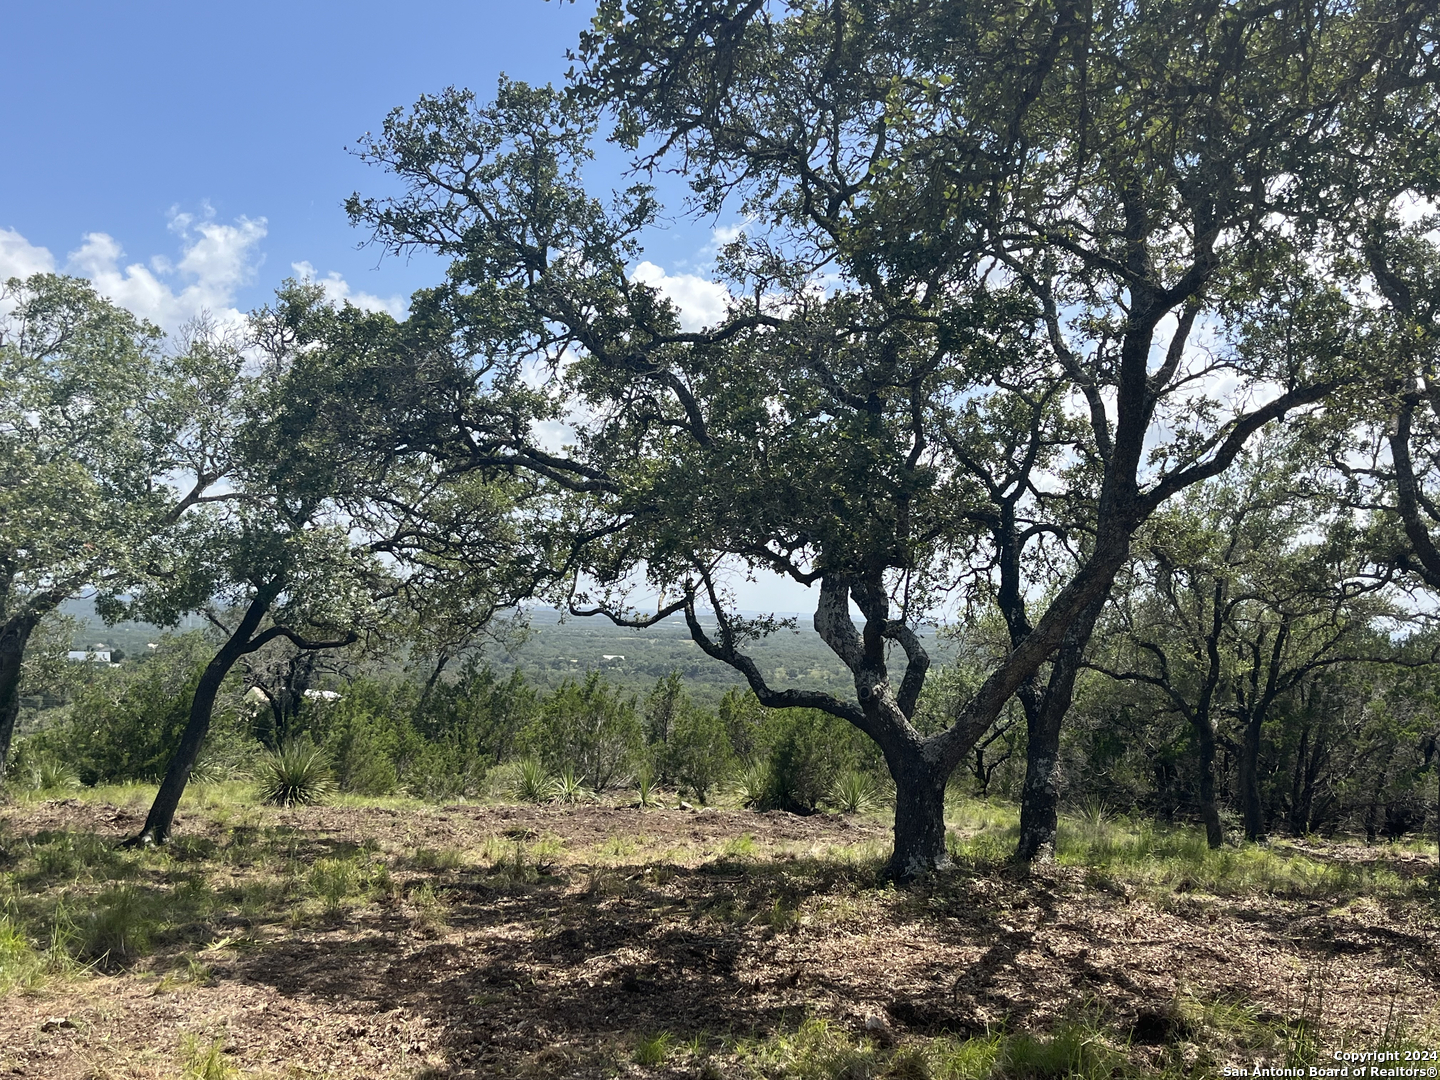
(100, 654)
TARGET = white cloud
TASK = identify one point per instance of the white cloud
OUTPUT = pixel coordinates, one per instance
(216, 261)
(701, 302)
(20, 258)
(337, 290)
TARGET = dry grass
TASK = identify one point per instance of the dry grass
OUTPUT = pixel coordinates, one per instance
(404, 940)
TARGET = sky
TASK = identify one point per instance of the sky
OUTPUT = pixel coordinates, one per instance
(189, 157)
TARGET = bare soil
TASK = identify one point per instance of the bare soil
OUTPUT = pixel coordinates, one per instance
(560, 936)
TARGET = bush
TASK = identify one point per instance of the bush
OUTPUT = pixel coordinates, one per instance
(125, 723)
(854, 792)
(478, 714)
(589, 726)
(698, 755)
(298, 774)
(533, 783)
(805, 751)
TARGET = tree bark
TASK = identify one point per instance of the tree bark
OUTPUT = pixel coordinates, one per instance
(161, 818)
(919, 817)
(1251, 804)
(1209, 804)
(14, 636)
(1040, 795)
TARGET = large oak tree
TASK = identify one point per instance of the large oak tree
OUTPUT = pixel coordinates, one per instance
(1016, 274)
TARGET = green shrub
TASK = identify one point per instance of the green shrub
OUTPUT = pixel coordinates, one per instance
(570, 788)
(298, 774)
(46, 773)
(589, 725)
(478, 714)
(125, 722)
(698, 755)
(805, 751)
(854, 792)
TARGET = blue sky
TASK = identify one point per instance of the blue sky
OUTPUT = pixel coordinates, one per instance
(190, 156)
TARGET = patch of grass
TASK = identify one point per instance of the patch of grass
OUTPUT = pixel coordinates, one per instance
(1179, 860)
(21, 965)
(819, 1050)
(203, 1059)
(121, 925)
(739, 847)
(437, 859)
(337, 881)
(430, 911)
(653, 1050)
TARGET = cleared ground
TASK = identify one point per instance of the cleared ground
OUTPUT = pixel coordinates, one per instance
(406, 940)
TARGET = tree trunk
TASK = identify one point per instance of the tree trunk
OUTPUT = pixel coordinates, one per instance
(1040, 795)
(14, 636)
(162, 812)
(1250, 802)
(1209, 805)
(919, 818)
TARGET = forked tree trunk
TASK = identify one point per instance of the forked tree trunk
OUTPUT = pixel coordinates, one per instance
(14, 636)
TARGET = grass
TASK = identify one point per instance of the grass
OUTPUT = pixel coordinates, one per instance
(654, 1050)
(203, 1059)
(71, 902)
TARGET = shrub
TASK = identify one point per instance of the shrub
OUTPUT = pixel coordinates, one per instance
(588, 725)
(854, 792)
(46, 773)
(806, 751)
(124, 724)
(570, 788)
(698, 754)
(298, 774)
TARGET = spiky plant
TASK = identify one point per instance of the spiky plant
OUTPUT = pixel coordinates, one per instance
(854, 792)
(298, 774)
(645, 789)
(533, 783)
(51, 774)
(570, 788)
(752, 787)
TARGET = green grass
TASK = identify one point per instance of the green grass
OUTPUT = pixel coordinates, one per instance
(653, 1050)
(819, 1050)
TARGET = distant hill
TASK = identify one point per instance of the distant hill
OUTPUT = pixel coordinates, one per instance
(558, 648)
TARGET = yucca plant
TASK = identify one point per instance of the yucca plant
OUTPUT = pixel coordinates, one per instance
(51, 774)
(645, 789)
(854, 792)
(209, 772)
(533, 783)
(298, 774)
(569, 788)
(752, 787)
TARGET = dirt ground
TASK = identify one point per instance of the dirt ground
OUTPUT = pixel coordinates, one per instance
(547, 941)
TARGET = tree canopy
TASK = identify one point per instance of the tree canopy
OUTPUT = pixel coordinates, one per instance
(1013, 276)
